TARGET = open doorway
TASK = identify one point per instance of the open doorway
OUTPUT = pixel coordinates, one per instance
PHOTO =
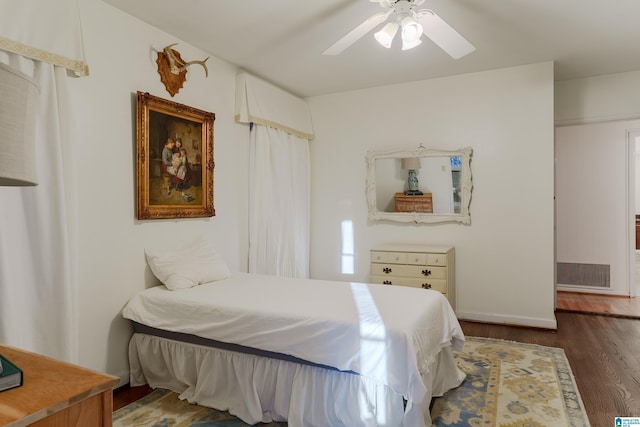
(596, 193)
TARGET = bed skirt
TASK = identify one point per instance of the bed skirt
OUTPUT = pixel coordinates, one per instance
(259, 389)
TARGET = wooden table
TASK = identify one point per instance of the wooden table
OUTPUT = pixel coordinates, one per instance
(56, 394)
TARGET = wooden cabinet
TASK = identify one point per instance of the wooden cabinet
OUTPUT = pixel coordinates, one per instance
(56, 394)
(427, 267)
(418, 203)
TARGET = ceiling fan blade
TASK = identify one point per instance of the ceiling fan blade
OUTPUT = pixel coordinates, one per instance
(384, 3)
(444, 35)
(355, 34)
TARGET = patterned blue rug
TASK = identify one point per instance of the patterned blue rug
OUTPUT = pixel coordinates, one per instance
(511, 384)
(508, 384)
(162, 408)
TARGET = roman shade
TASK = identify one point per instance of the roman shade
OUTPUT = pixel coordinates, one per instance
(265, 104)
(47, 31)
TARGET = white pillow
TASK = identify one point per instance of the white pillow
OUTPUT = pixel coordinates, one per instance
(191, 266)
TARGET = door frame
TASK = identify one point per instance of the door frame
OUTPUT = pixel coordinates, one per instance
(632, 139)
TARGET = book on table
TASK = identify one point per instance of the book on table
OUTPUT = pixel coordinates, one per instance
(10, 375)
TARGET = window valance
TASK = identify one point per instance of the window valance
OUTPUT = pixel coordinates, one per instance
(47, 31)
(263, 103)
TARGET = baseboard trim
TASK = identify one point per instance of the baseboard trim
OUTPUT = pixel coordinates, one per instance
(562, 287)
(509, 320)
(593, 294)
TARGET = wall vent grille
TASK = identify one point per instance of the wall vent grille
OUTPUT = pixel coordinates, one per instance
(593, 275)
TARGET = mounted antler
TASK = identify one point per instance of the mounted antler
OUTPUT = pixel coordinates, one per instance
(178, 65)
(173, 69)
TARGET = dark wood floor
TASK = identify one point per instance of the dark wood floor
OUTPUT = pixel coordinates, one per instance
(599, 304)
(125, 395)
(603, 352)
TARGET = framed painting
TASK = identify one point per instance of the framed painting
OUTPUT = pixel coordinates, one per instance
(174, 162)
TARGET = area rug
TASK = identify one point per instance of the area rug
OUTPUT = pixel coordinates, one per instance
(508, 384)
(511, 384)
(162, 408)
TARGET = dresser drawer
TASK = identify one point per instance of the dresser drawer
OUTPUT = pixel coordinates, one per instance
(405, 270)
(416, 258)
(439, 285)
(389, 257)
(436, 259)
(418, 266)
(408, 258)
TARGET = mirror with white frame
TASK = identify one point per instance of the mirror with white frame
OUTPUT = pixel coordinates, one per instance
(420, 185)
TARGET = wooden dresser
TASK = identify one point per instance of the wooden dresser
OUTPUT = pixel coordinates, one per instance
(427, 267)
(418, 203)
(56, 394)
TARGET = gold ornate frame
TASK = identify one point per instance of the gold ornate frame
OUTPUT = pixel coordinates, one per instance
(176, 189)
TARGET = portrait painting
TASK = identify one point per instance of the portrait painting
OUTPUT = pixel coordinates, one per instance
(175, 161)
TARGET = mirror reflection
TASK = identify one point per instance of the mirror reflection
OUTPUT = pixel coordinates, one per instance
(420, 185)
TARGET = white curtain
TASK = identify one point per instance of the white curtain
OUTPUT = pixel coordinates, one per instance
(38, 309)
(280, 131)
(279, 203)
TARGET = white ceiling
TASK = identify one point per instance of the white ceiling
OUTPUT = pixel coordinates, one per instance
(282, 41)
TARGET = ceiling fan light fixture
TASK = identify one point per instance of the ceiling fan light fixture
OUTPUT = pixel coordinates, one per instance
(411, 30)
(386, 34)
(412, 23)
(406, 45)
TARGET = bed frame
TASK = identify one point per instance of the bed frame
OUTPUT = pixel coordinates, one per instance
(260, 386)
(139, 328)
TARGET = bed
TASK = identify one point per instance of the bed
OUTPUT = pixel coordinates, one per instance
(309, 352)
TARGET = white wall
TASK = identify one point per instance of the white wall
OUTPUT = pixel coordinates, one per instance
(600, 98)
(110, 241)
(505, 258)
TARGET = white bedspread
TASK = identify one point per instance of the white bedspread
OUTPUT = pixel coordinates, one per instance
(389, 334)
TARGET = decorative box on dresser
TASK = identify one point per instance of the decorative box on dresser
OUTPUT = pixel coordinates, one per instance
(427, 267)
(413, 203)
(56, 394)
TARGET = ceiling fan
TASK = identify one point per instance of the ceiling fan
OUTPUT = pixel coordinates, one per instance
(412, 23)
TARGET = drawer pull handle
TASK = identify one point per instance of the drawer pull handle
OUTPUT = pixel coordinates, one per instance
(387, 282)
(387, 270)
(426, 272)
(426, 286)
